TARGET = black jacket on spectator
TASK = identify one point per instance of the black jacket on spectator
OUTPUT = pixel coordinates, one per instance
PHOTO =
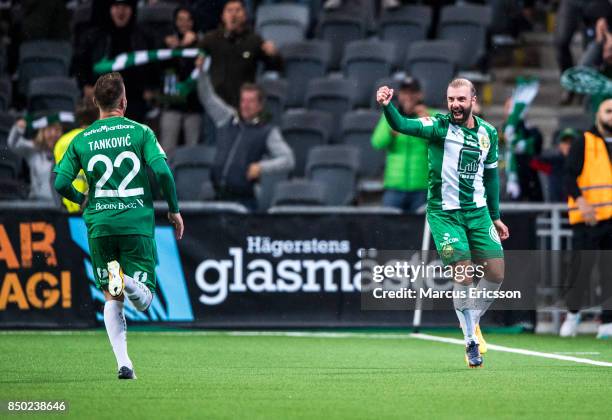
(234, 61)
(108, 42)
(239, 144)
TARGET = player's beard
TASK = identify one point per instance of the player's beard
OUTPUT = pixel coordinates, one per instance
(605, 126)
(465, 113)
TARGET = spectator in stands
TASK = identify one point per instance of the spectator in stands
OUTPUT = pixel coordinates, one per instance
(180, 111)
(523, 183)
(85, 116)
(552, 163)
(118, 34)
(247, 144)
(235, 51)
(572, 14)
(588, 180)
(599, 52)
(38, 153)
(406, 168)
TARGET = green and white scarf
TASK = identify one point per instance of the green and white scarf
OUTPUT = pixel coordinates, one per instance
(142, 57)
(523, 95)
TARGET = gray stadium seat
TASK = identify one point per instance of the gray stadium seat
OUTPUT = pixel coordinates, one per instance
(276, 97)
(282, 23)
(403, 26)
(434, 64)
(302, 62)
(6, 123)
(9, 164)
(299, 192)
(357, 129)
(468, 25)
(42, 58)
(580, 122)
(192, 166)
(364, 62)
(267, 185)
(5, 93)
(332, 95)
(340, 29)
(303, 130)
(54, 93)
(336, 167)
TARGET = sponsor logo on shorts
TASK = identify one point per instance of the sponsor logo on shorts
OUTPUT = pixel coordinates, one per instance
(493, 234)
(447, 240)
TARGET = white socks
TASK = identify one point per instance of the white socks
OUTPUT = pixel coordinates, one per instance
(464, 311)
(137, 292)
(482, 304)
(116, 328)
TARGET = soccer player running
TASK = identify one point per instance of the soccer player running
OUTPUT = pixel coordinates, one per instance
(462, 202)
(118, 210)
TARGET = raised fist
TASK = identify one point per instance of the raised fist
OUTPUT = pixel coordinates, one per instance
(384, 95)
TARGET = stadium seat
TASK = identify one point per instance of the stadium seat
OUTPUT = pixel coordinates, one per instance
(42, 58)
(6, 123)
(340, 29)
(403, 26)
(392, 82)
(157, 20)
(267, 185)
(5, 93)
(299, 192)
(335, 167)
(468, 24)
(282, 23)
(303, 130)
(276, 97)
(364, 62)
(357, 129)
(434, 64)
(580, 122)
(302, 62)
(332, 95)
(9, 164)
(54, 93)
(192, 166)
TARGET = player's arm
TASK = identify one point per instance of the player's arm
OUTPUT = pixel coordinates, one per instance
(67, 170)
(420, 127)
(155, 157)
(491, 185)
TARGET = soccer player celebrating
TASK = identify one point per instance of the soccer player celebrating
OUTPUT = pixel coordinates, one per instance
(463, 201)
(118, 210)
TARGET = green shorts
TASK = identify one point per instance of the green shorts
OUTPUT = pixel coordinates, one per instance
(137, 255)
(464, 235)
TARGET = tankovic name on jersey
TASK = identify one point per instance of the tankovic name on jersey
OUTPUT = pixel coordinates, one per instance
(114, 153)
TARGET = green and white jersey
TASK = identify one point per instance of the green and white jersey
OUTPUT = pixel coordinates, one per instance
(457, 158)
(114, 153)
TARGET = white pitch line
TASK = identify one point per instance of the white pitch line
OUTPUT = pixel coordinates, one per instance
(387, 336)
(515, 350)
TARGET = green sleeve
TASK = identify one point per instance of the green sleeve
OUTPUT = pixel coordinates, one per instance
(420, 127)
(382, 137)
(164, 177)
(63, 185)
(70, 164)
(491, 184)
(152, 150)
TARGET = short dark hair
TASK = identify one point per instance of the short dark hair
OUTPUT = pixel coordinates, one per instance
(254, 88)
(108, 90)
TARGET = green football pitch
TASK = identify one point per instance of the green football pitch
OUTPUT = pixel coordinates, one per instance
(307, 376)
